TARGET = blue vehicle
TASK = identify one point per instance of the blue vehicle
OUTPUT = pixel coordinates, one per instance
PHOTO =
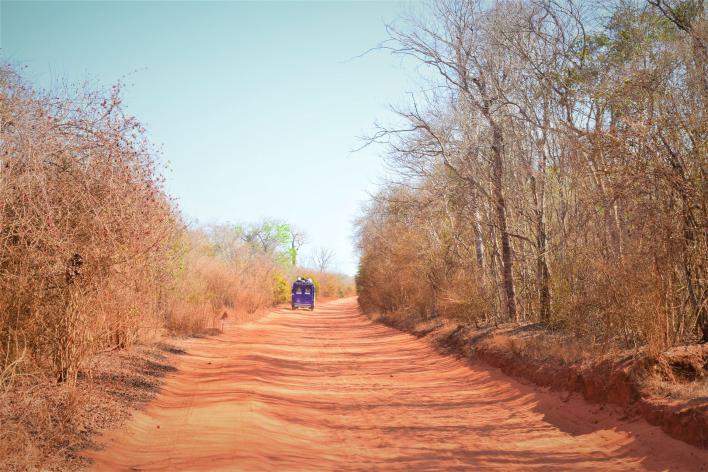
(303, 294)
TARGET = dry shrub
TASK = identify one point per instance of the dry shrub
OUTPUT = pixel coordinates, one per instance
(327, 284)
(628, 304)
(212, 280)
(392, 273)
(466, 300)
(83, 226)
(91, 253)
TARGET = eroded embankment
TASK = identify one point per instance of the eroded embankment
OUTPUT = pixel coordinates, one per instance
(622, 379)
(332, 390)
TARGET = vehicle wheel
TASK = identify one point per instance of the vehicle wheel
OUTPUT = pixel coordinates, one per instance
(312, 308)
(293, 307)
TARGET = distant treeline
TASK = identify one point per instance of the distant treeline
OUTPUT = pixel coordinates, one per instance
(553, 169)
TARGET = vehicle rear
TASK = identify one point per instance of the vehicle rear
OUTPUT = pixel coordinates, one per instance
(303, 294)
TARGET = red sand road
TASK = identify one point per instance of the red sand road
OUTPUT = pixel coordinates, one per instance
(330, 390)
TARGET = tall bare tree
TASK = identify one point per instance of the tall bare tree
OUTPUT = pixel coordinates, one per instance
(323, 258)
(557, 157)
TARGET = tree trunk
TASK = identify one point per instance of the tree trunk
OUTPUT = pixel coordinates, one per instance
(539, 196)
(542, 273)
(478, 243)
(500, 204)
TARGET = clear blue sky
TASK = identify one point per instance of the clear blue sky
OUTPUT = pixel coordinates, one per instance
(256, 105)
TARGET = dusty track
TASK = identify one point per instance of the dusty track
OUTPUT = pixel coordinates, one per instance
(330, 390)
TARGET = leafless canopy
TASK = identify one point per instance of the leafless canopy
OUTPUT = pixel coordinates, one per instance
(553, 169)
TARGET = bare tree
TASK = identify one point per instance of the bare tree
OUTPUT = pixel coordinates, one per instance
(455, 46)
(557, 157)
(323, 258)
(297, 239)
(266, 236)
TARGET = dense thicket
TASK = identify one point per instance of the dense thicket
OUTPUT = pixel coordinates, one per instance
(84, 226)
(93, 254)
(554, 170)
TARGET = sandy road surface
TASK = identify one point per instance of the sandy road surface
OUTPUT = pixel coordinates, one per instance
(329, 390)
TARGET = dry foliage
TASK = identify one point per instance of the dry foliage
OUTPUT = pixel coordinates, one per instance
(554, 171)
(93, 255)
(83, 228)
(328, 285)
(94, 258)
(45, 424)
(218, 278)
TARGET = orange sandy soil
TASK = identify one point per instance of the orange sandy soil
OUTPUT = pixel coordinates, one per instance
(332, 390)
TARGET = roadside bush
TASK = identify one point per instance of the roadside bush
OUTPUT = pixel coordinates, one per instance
(93, 255)
(327, 284)
(84, 227)
(213, 279)
(281, 288)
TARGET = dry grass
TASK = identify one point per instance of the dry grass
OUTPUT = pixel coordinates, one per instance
(534, 342)
(697, 389)
(46, 424)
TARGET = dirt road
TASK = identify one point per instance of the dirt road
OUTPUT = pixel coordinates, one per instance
(329, 390)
